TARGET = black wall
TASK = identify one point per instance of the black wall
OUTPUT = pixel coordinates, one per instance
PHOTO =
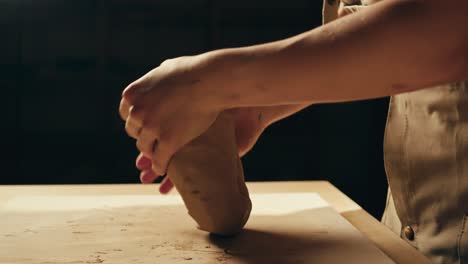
(63, 65)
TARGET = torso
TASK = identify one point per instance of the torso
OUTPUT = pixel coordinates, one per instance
(426, 159)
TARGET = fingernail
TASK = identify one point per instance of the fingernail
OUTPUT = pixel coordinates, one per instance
(143, 163)
(166, 186)
(148, 177)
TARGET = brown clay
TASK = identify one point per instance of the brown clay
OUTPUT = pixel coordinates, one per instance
(209, 176)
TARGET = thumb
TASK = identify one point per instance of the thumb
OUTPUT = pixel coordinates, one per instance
(346, 10)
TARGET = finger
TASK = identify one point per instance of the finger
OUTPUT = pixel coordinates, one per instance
(146, 141)
(161, 156)
(132, 128)
(133, 90)
(134, 122)
(143, 162)
(148, 176)
(124, 108)
(166, 186)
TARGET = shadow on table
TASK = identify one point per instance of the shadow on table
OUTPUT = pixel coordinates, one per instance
(301, 241)
(259, 247)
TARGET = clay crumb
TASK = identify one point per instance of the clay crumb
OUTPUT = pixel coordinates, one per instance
(27, 230)
(221, 259)
(97, 260)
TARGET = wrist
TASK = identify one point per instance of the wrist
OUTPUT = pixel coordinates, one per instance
(230, 77)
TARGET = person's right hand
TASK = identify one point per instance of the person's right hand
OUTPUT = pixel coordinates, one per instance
(249, 125)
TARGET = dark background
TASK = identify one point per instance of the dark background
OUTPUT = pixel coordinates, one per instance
(64, 63)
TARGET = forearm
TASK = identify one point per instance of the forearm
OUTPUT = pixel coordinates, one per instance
(389, 48)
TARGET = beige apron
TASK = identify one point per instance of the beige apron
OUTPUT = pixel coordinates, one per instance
(426, 160)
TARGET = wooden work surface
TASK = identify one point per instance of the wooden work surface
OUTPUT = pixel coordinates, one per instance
(397, 249)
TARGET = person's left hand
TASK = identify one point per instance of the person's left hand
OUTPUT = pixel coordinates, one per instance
(168, 107)
(249, 125)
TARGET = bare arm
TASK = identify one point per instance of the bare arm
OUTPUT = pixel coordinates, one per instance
(391, 47)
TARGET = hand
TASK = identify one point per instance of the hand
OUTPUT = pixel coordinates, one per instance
(249, 124)
(168, 107)
(347, 9)
(147, 175)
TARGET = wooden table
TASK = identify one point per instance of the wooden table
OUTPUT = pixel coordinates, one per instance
(387, 241)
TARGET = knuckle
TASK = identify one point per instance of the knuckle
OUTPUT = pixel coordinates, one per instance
(166, 62)
(130, 91)
(140, 146)
(130, 130)
(133, 91)
(123, 109)
(136, 114)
